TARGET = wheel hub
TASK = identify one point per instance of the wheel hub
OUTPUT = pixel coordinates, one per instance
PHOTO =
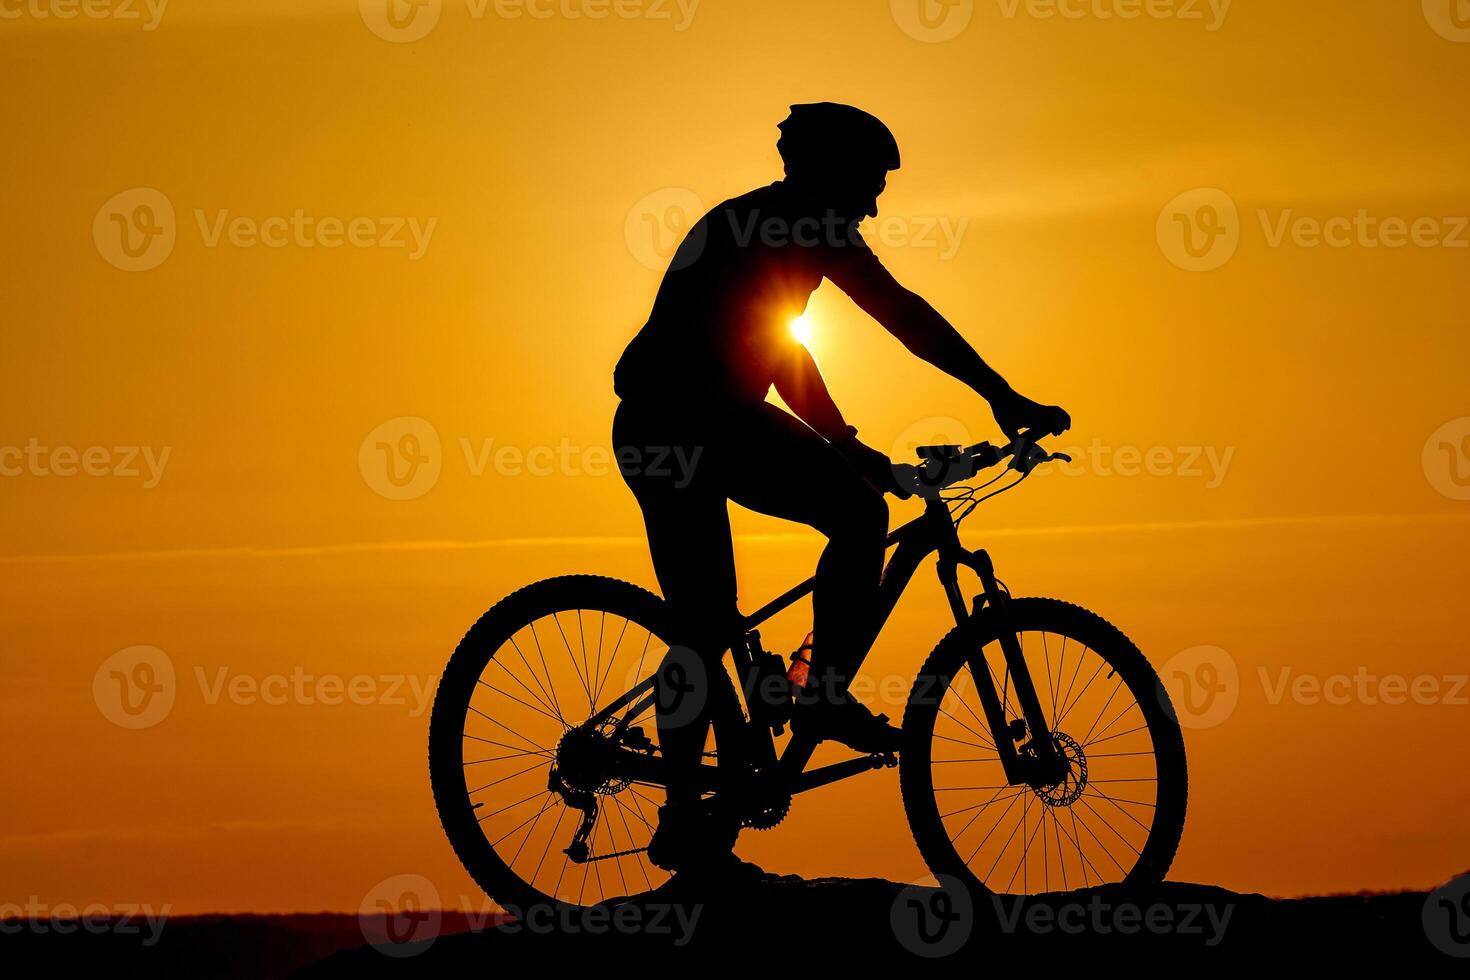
(1065, 791)
(582, 758)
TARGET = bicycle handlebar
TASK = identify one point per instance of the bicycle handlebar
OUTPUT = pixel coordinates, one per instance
(944, 466)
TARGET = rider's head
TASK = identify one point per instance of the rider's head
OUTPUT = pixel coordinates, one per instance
(839, 156)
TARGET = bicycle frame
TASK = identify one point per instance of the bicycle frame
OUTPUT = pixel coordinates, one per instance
(1035, 762)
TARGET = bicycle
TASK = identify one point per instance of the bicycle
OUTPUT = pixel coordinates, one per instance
(1107, 781)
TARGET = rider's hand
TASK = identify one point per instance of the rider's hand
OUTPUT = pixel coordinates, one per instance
(875, 467)
(1016, 413)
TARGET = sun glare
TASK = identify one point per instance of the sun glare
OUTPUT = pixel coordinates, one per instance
(801, 329)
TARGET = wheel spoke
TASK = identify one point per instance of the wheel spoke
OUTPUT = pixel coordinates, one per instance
(561, 815)
(1137, 851)
(550, 684)
(521, 702)
(538, 747)
(967, 728)
(1145, 827)
(537, 697)
(502, 779)
(1093, 727)
(581, 675)
(1067, 709)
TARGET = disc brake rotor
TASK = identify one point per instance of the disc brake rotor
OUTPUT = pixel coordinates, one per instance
(1067, 791)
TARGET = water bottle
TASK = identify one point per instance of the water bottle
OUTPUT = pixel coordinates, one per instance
(801, 665)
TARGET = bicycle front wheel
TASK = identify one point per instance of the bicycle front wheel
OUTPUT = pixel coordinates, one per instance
(1117, 816)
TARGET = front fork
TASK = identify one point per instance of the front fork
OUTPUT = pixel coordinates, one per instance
(1026, 749)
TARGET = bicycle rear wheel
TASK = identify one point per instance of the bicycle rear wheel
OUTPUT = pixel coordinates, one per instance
(1117, 816)
(539, 664)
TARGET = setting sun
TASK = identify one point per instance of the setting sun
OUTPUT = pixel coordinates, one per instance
(801, 329)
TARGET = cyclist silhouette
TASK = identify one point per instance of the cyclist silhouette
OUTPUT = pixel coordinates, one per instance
(693, 384)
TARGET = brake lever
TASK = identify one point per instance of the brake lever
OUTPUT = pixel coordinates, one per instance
(1034, 457)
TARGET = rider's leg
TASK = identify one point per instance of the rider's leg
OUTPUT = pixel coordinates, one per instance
(689, 541)
(668, 462)
(789, 471)
(668, 465)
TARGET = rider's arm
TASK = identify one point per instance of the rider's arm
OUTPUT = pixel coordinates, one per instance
(909, 317)
(800, 385)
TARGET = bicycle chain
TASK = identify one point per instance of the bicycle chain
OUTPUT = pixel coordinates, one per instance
(614, 854)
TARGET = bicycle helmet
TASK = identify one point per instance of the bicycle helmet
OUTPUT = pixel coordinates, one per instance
(828, 137)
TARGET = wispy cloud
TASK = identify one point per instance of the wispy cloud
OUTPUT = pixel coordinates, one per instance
(1338, 521)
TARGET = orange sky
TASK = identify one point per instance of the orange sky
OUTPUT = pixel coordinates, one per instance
(489, 189)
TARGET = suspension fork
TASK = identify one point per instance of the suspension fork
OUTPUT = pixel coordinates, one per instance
(1025, 747)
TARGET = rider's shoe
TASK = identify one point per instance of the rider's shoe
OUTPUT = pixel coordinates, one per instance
(692, 835)
(845, 720)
